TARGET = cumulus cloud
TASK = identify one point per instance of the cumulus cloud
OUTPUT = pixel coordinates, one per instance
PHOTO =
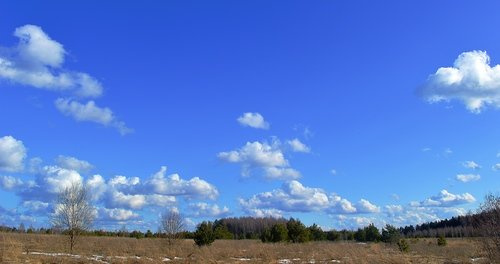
(206, 210)
(175, 186)
(365, 206)
(12, 154)
(471, 80)
(257, 155)
(297, 146)
(73, 163)
(496, 167)
(293, 196)
(92, 113)
(254, 120)
(37, 61)
(445, 199)
(468, 177)
(471, 165)
(117, 214)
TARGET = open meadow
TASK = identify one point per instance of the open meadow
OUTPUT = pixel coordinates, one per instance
(35, 248)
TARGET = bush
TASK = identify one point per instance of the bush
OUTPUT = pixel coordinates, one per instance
(403, 245)
(390, 234)
(297, 232)
(204, 234)
(441, 241)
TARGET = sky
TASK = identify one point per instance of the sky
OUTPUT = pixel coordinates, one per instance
(340, 113)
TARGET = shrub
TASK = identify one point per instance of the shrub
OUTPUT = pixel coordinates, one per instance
(441, 241)
(204, 234)
(390, 234)
(403, 245)
(297, 232)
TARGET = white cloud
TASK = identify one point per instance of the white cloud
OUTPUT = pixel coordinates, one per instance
(175, 186)
(12, 154)
(120, 199)
(10, 183)
(298, 146)
(339, 205)
(92, 113)
(333, 172)
(471, 165)
(54, 179)
(37, 61)
(292, 197)
(117, 214)
(274, 213)
(97, 186)
(254, 120)
(365, 206)
(468, 177)
(72, 163)
(275, 173)
(446, 199)
(471, 80)
(206, 210)
(257, 155)
(36, 206)
(496, 167)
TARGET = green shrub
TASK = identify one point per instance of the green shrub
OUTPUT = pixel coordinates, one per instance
(403, 245)
(441, 241)
(204, 234)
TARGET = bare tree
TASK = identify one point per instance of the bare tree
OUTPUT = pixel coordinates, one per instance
(488, 224)
(73, 212)
(172, 224)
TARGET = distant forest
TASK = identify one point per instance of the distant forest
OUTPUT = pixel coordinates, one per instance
(256, 228)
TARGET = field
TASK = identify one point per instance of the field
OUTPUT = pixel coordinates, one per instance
(34, 248)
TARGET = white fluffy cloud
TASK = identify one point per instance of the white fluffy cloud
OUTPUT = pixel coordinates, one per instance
(298, 146)
(471, 80)
(117, 214)
(365, 206)
(257, 155)
(91, 112)
(175, 186)
(254, 120)
(445, 199)
(293, 196)
(206, 210)
(496, 167)
(470, 164)
(468, 177)
(37, 61)
(73, 163)
(12, 154)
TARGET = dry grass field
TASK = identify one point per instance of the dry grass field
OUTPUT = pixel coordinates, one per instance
(33, 248)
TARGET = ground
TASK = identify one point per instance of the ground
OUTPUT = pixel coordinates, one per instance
(34, 248)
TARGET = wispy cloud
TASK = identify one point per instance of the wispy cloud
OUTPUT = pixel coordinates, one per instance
(468, 177)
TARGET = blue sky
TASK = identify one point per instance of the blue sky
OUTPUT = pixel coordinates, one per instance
(337, 112)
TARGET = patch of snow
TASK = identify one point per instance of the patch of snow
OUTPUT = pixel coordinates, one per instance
(476, 259)
(284, 261)
(166, 259)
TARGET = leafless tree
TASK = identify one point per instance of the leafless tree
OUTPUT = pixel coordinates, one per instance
(73, 212)
(488, 224)
(172, 224)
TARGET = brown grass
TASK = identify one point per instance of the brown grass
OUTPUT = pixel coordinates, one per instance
(26, 248)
